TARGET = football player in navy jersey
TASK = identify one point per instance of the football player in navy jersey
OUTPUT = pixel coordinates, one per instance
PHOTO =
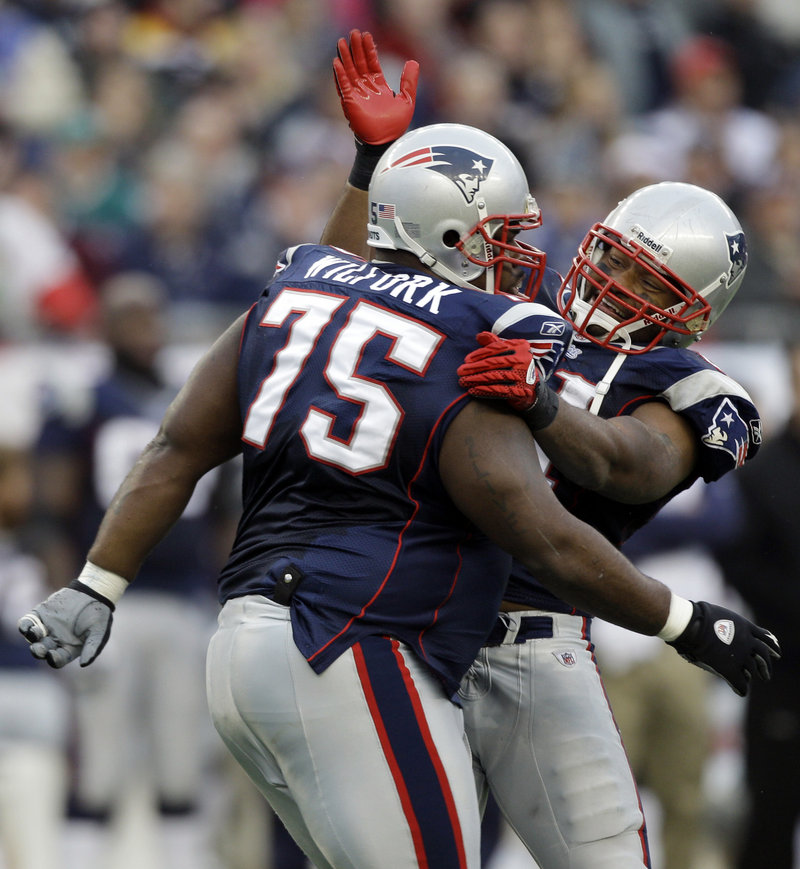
(660, 416)
(639, 418)
(134, 712)
(381, 509)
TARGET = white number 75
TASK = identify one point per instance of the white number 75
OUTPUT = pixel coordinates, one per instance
(413, 346)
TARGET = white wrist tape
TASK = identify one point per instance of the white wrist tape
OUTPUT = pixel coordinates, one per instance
(680, 614)
(110, 585)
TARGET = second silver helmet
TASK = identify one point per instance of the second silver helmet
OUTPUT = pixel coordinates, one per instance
(684, 235)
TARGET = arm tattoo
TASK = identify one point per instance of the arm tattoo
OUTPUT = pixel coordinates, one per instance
(510, 516)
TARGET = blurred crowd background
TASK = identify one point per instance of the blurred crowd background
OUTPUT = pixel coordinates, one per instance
(155, 157)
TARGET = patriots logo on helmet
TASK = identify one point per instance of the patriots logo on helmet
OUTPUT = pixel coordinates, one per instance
(728, 432)
(466, 169)
(737, 253)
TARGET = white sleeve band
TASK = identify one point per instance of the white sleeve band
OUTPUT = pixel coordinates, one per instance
(680, 614)
(110, 585)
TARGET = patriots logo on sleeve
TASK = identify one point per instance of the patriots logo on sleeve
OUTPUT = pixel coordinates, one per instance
(728, 432)
(466, 169)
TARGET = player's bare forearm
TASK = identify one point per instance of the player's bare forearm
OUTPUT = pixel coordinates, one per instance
(147, 504)
(347, 226)
(200, 430)
(632, 459)
(480, 462)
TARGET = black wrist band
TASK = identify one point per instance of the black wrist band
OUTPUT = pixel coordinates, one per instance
(367, 157)
(79, 586)
(544, 409)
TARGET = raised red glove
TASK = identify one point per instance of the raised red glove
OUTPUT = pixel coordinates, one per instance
(501, 368)
(376, 114)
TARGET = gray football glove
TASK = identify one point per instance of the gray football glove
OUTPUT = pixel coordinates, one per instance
(73, 621)
(722, 641)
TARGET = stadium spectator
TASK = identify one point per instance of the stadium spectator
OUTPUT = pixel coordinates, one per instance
(664, 711)
(45, 289)
(761, 560)
(34, 707)
(706, 114)
(140, 717)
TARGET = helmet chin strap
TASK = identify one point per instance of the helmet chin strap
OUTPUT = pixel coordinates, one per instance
(602, 388)
(430, 261)
(604, 384)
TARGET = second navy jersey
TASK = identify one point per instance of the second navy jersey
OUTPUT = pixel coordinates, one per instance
(721, 413)
(347, 386)
(121, 415)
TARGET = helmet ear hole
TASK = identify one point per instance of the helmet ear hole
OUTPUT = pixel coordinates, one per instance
(450, 238)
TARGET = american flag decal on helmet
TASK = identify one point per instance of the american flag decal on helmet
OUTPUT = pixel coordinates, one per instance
(466, 169)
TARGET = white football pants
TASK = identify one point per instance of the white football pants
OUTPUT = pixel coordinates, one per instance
(366, 763)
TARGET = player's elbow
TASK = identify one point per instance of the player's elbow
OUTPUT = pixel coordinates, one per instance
(171, 461)
(550, 550)
(595, 474)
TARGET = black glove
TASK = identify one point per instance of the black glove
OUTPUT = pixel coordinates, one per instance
(722, 641)
(73, 621)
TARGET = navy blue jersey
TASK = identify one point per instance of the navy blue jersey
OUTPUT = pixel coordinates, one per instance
(22, 585)
(347, 385)
(720, 411)
(122, 415)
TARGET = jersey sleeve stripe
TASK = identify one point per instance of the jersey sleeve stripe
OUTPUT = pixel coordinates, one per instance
(702, 385)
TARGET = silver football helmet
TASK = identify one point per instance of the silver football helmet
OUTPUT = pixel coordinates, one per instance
(685, 237)
(456, 198)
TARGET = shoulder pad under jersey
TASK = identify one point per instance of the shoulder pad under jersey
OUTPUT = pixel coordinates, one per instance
(718, 408)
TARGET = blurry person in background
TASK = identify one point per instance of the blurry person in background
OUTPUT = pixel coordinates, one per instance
(663, 710)
(40, 85)
(141, 714)
(33, 766)
(761, 560)
(44, 289)
(638, 40)
(96, 179)
(177, 240)
(706, 114)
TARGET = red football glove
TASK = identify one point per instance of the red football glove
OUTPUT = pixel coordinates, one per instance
(502, 368)
(376, 114)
